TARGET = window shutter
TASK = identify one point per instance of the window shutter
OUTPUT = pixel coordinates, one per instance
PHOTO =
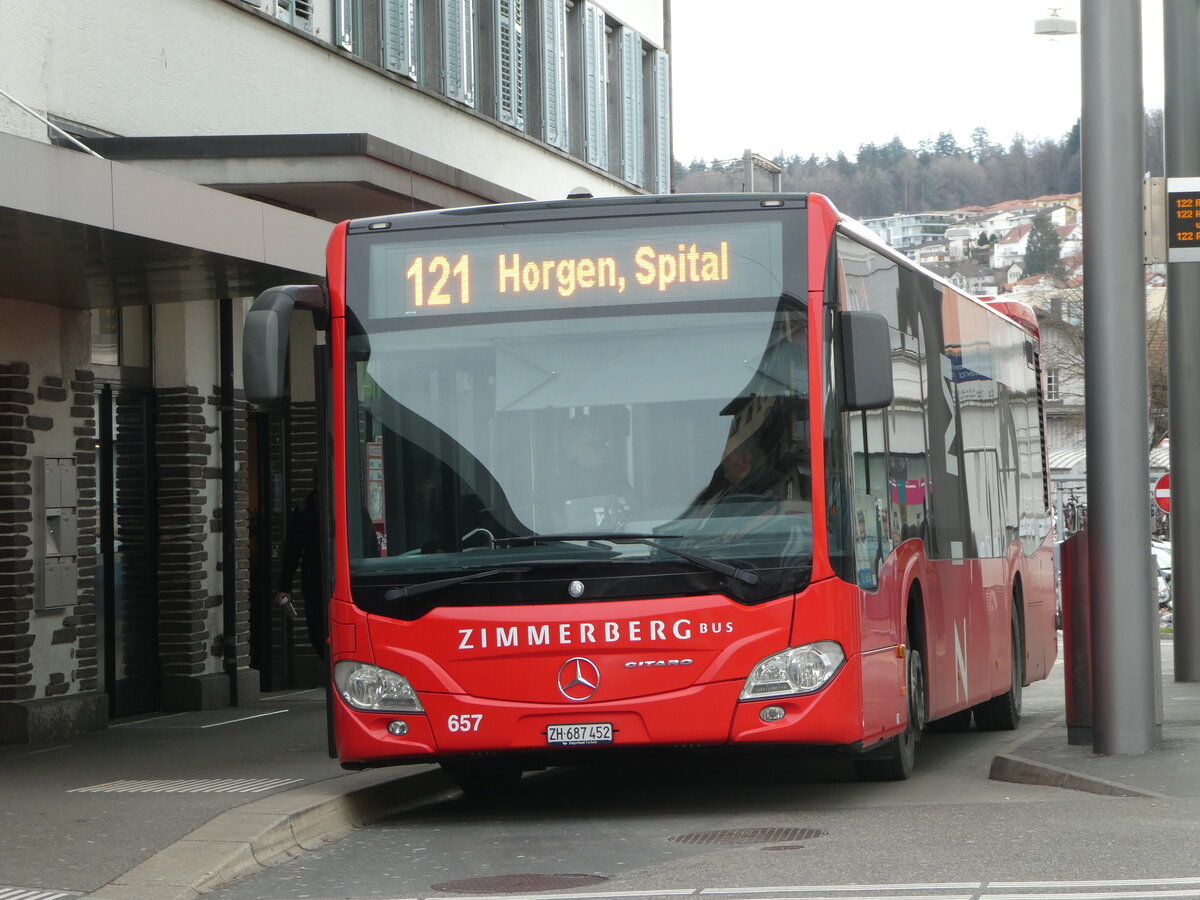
(458, 50)
(633, 139)
(295, 12)
(348, 24)
(554, 72)
(400, 37)
(510, 62)
(595, 61)
(662, 122)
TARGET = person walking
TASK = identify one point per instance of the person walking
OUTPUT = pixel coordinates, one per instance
(302, 549)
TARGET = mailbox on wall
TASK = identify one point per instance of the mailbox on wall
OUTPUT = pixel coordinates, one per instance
(56, 527)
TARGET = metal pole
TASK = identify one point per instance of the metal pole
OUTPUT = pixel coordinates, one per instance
(228, 499)
(1116, 383)
(1181, 25)
(748, 171)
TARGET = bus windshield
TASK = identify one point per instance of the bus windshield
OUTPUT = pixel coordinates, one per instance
(599, 434)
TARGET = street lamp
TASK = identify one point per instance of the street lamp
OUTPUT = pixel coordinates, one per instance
(1054, 24)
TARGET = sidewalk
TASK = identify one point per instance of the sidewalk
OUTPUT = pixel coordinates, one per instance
(171, 806)
(1171, 770)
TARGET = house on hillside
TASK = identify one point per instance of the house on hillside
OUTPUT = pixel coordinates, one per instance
(1071, 237)
(907, 231)
(970, 277)
(1001, 218)
(1011, 247)
(931, 254)
(1015, 243)
(1050, 201)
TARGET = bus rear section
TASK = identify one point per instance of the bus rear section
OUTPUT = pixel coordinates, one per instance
(621, 475)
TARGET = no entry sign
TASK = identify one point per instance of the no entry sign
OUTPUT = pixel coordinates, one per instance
(1162, 493)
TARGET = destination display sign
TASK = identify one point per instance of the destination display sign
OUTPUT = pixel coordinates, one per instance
(636, 264)
(1183, 219)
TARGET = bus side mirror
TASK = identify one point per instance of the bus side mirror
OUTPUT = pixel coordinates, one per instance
(265, 339)
(866, 360)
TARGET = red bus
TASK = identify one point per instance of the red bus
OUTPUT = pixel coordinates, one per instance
(703, 470)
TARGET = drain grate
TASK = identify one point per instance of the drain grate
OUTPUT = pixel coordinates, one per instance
(749, 836)
(518, 884)
(188, 786)
(785, 847)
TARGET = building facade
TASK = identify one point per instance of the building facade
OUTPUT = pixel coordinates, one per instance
(165, 161)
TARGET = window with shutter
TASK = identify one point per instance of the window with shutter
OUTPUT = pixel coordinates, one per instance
(662, 122)
(458, 50)
(348, 25)
(595, 61)
(632, 136)
(510, 62)
(400, 37)
(554, 73)
(295, 12)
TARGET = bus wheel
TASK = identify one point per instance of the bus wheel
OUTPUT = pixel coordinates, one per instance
(896, 762)
(1003, 713)
(485, 779)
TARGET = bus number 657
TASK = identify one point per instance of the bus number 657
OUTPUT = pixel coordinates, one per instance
(465, 722)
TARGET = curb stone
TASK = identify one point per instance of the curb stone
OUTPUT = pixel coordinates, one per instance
(250, 838)
(1018, 770)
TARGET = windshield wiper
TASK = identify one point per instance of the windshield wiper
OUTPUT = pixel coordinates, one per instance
(425, 587)
(746, 576)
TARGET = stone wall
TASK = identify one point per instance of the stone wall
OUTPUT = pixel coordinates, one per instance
(49, 657)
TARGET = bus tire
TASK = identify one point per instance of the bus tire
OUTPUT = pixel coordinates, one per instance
(896, 762)
(1003, 713)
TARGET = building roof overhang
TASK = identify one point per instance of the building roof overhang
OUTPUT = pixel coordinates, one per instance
(330, 176)
(82, 232)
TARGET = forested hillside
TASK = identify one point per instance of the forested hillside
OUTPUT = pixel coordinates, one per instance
(889, 178)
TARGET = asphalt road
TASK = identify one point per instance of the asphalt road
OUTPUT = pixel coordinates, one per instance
(769, 828)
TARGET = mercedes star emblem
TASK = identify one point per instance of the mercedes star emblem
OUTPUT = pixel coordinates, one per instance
(578, 678)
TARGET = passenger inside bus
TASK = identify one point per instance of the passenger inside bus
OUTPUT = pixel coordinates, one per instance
(590, 488)
(745, 482)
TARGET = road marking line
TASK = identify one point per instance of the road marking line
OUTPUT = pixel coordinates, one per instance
(274, 712)
(839, 888)
(186, 786)
(1130, 882)
(1097, 895)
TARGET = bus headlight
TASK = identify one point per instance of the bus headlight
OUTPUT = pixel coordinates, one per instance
(800, 670)
(372, 688)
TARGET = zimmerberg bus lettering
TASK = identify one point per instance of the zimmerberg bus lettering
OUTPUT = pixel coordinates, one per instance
(574, 634)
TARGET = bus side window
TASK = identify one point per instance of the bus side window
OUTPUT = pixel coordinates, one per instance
(871, 512)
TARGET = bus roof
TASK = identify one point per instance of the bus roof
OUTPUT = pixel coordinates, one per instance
(529, 208)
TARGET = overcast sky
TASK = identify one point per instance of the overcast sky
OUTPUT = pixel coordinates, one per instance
(815, 76)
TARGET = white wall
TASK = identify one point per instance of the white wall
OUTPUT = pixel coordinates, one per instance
(204, 67)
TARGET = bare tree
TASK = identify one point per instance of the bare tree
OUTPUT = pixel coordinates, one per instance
(1061, 317)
